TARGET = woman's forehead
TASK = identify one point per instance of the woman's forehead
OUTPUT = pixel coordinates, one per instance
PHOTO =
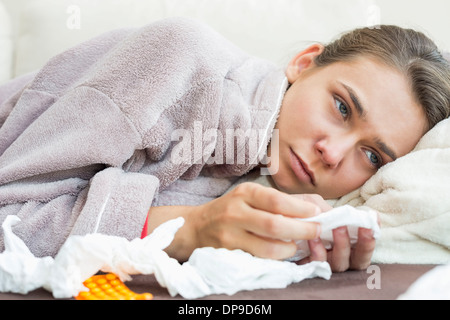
(384, 99)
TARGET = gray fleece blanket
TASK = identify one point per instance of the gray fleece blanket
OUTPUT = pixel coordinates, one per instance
(87, 143)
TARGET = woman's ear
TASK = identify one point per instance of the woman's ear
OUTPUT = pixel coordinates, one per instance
(303, 61)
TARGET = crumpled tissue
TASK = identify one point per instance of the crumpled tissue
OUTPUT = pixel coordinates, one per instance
(208, 270)
(79, 258)
(433, 285)
(353, 218)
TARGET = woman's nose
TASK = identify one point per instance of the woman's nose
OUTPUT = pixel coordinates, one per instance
(333, 151)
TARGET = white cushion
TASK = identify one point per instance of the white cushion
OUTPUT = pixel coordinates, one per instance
(5, 45)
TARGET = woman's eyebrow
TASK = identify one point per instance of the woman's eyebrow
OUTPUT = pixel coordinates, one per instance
(357, 103)
(383, 147)
(362, 113)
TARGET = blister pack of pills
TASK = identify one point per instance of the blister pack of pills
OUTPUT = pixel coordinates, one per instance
(109, 287)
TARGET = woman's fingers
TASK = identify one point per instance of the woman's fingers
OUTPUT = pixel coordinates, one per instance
(269, 213)
(315, 199)
(267, 248)
(362, 254)
(276, 226)
(276, 202)
(256, 219)
(342, 256)
(317, 251)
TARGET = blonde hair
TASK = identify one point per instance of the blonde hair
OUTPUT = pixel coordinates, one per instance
(407, 50)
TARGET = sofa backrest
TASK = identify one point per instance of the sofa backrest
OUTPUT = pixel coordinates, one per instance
(270, 29)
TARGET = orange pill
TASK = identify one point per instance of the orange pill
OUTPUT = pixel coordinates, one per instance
(90, 285)
(115, 282)
(145, 296)
(110, 276)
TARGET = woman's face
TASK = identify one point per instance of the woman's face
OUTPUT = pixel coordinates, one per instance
(340, 123)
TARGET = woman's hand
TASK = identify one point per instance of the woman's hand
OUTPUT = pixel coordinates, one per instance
(251, 217)
(341, 257)
(259, 220)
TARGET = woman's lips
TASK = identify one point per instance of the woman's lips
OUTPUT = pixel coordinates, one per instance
(301, 169)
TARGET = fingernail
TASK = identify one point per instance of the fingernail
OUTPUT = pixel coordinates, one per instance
(341, 230)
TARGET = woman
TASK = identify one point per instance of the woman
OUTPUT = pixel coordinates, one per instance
(88, 143)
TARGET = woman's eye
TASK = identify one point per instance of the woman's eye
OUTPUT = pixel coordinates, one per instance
(342, 108)
(373, 158)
